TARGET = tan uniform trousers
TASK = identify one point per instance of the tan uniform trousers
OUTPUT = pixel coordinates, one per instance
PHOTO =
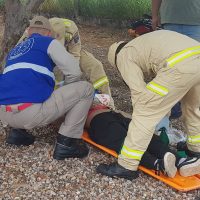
(72, 100)
(94, 72)
(182, 82)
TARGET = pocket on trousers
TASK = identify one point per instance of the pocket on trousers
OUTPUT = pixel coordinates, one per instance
(189, 66)
(149, 97)
(187, 74)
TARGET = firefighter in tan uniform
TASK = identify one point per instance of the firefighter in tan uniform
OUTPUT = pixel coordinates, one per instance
(67, 33)
(174, 60)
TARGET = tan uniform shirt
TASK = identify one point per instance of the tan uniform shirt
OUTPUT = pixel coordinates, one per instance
(149, 53)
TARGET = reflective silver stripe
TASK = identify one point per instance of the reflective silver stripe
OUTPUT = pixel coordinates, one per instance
(178, 57)
(23, 65)
(159, 89)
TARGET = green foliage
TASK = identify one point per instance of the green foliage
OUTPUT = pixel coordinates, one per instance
(60, 7)
(115, 9)
(2, 3)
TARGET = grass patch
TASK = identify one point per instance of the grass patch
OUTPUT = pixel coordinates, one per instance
(115, 9)
(58, 7)
(112, 9)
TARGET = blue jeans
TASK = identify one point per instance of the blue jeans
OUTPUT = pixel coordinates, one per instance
(189, 30)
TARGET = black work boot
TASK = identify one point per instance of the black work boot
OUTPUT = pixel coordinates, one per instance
(116, 170)
(69, 148)
(20, 137)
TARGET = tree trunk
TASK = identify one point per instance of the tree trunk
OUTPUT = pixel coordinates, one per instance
(76, 8)
(16, 20)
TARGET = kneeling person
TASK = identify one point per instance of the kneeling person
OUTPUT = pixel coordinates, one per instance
(67, 33)
(28, 98)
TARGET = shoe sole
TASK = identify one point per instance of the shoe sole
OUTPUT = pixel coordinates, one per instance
(17, 143)
(169, 163)
(105, 173)
(117, 176)
(65, 157)
(190, 169)
(125, 177)
(61, 154)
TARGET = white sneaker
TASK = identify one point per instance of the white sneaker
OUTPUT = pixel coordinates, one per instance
(189, 167)
(166, 165)
(169, 164)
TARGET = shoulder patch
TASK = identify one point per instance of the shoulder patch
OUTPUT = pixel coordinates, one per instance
(21, 49)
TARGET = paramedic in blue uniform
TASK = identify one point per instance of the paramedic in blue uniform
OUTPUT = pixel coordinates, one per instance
(28, 98)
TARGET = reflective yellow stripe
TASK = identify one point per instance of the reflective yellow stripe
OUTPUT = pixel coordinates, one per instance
(194, 139)
(100, 82)
(130, 153)
(183, 55)
(68, 36)
(67, 22)
(154, 87)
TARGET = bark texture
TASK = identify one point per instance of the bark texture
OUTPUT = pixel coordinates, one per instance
(17, 18)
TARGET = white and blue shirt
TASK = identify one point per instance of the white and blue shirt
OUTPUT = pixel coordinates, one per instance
(28, 75)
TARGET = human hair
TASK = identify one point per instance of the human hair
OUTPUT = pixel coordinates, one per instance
(41, 31)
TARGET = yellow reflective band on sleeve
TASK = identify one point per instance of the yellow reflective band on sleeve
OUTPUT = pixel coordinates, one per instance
(100, 82)
(68, 36)
(154, 87)
(178, 57)
(130, 153)
(194, 139)
(67, 22)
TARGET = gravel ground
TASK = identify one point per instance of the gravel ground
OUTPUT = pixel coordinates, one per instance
(31, 173)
